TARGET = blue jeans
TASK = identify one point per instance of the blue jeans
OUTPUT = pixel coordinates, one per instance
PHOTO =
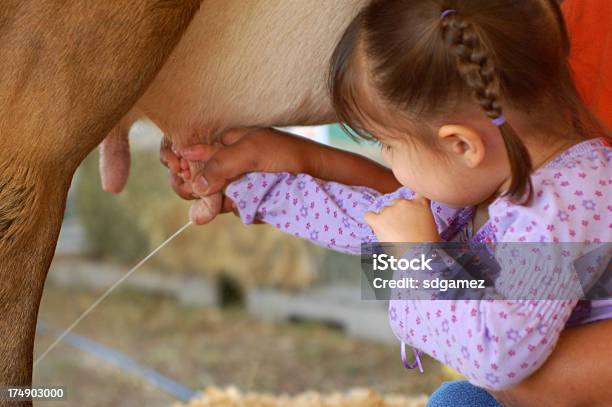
(461, 393)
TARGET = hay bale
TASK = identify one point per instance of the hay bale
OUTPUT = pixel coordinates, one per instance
(128, 226)
(232, 397)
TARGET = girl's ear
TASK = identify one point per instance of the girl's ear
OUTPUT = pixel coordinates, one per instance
(463, 143)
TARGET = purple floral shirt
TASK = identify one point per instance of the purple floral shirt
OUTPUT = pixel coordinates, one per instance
(495, 344)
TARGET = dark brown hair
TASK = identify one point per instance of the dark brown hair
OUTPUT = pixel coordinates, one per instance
(424, 61)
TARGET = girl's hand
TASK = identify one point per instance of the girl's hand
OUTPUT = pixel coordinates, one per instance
(244, 150)
(200, 172)
(406, 221)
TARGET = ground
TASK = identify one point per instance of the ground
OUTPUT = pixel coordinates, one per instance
(203, 347)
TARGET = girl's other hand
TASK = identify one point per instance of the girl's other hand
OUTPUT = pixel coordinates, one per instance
(406, 221)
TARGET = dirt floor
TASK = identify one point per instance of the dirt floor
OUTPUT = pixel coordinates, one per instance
(202, 347)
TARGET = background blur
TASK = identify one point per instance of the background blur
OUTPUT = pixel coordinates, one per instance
(224, 304)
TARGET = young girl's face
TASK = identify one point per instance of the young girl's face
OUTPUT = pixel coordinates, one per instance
(445, 174)
(461, 165)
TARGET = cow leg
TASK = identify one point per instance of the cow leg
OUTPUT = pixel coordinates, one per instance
(69, 72)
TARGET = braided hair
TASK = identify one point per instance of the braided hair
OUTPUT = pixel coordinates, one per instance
(476, 67)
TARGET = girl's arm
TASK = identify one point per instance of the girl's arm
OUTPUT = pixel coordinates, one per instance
(329, 214)
(269, 150)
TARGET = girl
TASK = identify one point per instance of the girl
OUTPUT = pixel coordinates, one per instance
(478, 117)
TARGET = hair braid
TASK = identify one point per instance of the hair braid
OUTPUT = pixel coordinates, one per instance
(476, 68)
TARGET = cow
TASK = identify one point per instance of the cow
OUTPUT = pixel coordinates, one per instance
(77, 72)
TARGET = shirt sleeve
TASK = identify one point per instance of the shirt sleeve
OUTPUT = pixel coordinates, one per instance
(329, 214)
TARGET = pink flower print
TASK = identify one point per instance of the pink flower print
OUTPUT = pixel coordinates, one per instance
(524, 365)
(424, 338)
(317, 215)
(564, 183)
(445, 326)
(242, 204)
(599, 193)
(513, 335)
(325, 228)
(345, 222)
(250, 185)
(578, 192)
(588, 204)
(511, 352)
(465, 353)
(480, 348)
(492, 379)
(393, 314)
(563, 216)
